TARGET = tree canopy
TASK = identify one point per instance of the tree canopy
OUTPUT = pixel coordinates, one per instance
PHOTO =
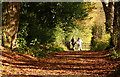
(47, 21)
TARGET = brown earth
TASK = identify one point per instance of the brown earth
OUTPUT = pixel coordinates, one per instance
(67, 63)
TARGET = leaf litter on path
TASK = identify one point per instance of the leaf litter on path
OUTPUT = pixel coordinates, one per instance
(85, 63)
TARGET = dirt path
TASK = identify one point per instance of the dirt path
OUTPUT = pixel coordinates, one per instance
(79, 64)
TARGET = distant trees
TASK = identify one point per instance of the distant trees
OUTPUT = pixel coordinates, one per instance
(99, 40)
(50, 22)
(45, 22)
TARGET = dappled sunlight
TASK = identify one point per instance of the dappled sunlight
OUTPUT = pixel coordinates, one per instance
(84, 63)
(42, 41)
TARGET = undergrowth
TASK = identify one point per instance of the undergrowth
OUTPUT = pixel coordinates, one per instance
(40, 51)
(34, 48)
(114, 53)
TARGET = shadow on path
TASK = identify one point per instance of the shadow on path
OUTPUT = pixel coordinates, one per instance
(84, 63)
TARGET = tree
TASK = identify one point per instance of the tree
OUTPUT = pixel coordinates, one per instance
(50, 22)
(113, 17)
(118, 44)
(10, 20)
(0, 25)
(109, 14)
(116, 24)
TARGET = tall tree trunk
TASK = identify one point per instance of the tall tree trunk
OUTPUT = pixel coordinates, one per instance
(0, 36)
(0, 25)
(118, 26)
(115, 31)
(109, 14)
(11, 22)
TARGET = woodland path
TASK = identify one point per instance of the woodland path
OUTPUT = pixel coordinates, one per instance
(67, 63)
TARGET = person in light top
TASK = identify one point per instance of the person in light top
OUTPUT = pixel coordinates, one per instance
(79, 43)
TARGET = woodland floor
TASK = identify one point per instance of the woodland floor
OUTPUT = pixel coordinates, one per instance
(65, 64)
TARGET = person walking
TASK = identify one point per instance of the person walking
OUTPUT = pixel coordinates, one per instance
(73, 42)
(79, 43)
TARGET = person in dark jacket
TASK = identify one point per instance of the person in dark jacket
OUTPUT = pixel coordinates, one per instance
(73, 42)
